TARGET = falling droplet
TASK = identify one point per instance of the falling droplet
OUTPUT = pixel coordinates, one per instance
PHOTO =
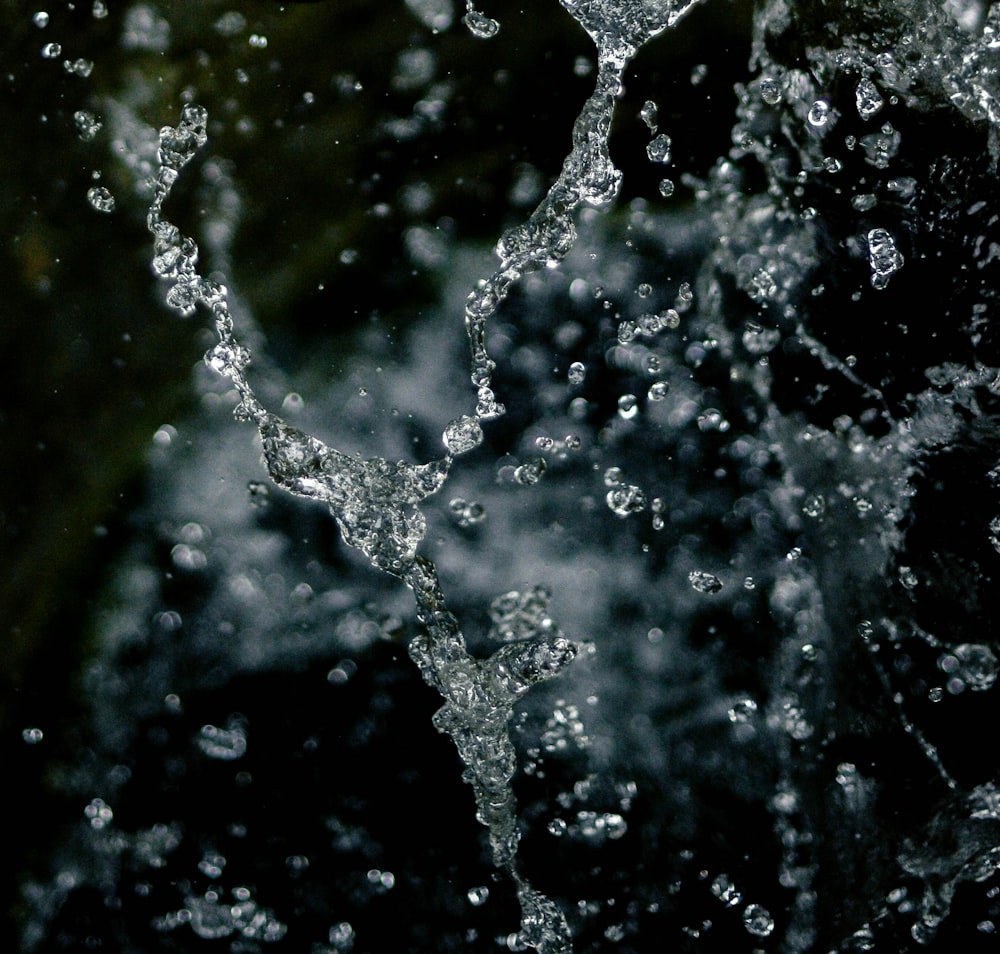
(462, 435)
(100, 199)
(704, 582)
(757, 920)
(481, 25)
(659, 149)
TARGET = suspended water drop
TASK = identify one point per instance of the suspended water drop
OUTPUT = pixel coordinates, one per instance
(51, 51)
(657, 391)
(704, 582)
(648, 115)
(820, 114)
(977, 665)
(462, 435)
(79, 67)
(478, 896)
(666, 188)
(100, 199)
(659, 149)
(32, 735)
(770, 90)
(814, 505)
(757, 920)
(41, 19)
(869, 100)
(479, 24)
(87, 124)
(628, 406)
(576, 373)
(625, 500)
(883, 257)
(530, 472)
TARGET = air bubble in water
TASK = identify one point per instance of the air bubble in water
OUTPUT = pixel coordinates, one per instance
(868, 99)
(87, 124)
(576, 373)
(40, 19)
(704, 582)
(757, 920)
(51, 51)
(666, 188)
(481, 25)
(462, 435)
(100, 199)
(658, 391)
(659, 149)
(32, 735)
(883, 257)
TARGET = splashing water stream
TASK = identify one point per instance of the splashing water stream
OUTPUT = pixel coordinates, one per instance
(740, 447)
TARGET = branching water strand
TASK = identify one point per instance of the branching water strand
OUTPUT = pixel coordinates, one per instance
(376, 503)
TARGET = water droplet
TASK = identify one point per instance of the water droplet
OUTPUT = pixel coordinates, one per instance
(478, 896)
(100, 199)
(819, 114)
(644, 290)
(757, 920)
(628, 406)
(40, 19)
(32, 735)
(530, 472)
(742, 711)
(659, 149)
(814, 505)
(258, 41)
(98, 813)
(770, 90)
(712, 420)
(907, 577)
(79, 67)
(648, 115)
(625, 499)
(704, 582)
(666, 188)
(657, 391)
(225, 744)
(978, 665)
(51, 51)
(462, 435)
(883, 257)
(481, 25)
(868, 99)
(576, 373)
(87, 124)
